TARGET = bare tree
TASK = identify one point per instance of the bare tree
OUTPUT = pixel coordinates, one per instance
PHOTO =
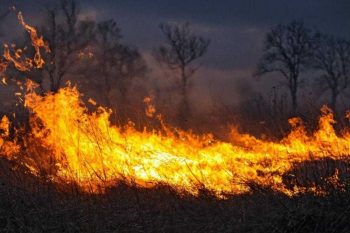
(117, 63)
(332, 59)
(66, 36)
(288, 50)
(182, 47)
(108, 39)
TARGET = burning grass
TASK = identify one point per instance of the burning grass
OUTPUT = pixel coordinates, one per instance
(72, 170)
(70, 144)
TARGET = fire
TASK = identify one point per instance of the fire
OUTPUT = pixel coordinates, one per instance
(73, 144)
(37, 42)
(7, 147)
(95, 154)
(21, 62)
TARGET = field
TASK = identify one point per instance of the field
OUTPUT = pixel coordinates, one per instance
(31, 204)
(67, 166)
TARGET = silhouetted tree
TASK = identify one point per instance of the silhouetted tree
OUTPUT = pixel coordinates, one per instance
(66, 36)
(182, 47)
(108, 39)
(288, 51)
(117, 63)
(332, 59)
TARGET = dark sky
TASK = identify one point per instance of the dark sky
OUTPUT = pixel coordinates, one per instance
(236, 29)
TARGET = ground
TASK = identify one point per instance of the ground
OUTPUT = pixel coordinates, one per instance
(31, 204)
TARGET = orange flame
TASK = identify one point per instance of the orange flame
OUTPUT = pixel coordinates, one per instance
(37, 42)
(22, 63)
(86, 148)
(7, 147)
(92, 152)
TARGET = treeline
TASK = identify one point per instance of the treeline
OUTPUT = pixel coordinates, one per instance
(86, 52)
(94, 56)
(294, 49)
(299, 55)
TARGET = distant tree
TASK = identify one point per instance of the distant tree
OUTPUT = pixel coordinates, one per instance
(108, 39)
(182, 47)
(66, 36)
(332, 59)
(118, 64)
(288, 50)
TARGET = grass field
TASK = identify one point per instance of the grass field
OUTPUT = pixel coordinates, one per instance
(31, 204)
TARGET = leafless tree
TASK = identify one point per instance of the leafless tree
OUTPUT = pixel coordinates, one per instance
(332, 59)
(288, 51)
(118, 64)
(182, 47)
(66, 36)
(108, 39)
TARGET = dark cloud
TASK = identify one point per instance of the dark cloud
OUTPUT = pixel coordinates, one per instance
(232, 13)
(236, 27)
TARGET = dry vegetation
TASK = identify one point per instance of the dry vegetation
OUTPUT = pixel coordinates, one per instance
(31, 204)
(264, 181)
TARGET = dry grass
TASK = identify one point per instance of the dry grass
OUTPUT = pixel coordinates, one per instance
(31, 204)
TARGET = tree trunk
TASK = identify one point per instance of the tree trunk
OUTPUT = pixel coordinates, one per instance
(293, 92)
(184, 110)
(55, 82)
(294, 101)
(123, 103)
(107, 89)
(334, 100)
(54, 87)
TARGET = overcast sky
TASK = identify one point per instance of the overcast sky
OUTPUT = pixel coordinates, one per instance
(236, 28)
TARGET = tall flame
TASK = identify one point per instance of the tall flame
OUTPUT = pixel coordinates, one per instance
(94, 153)
(37, 42)
(75, 145)
(22, 63)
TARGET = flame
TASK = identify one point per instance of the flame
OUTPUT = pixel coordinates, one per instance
(92, 152)
(7, 147)
(37, 42)
(76, 145)
(4, 126)
(21, 62)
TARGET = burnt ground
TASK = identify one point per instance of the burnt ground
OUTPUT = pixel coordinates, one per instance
(31, 204)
